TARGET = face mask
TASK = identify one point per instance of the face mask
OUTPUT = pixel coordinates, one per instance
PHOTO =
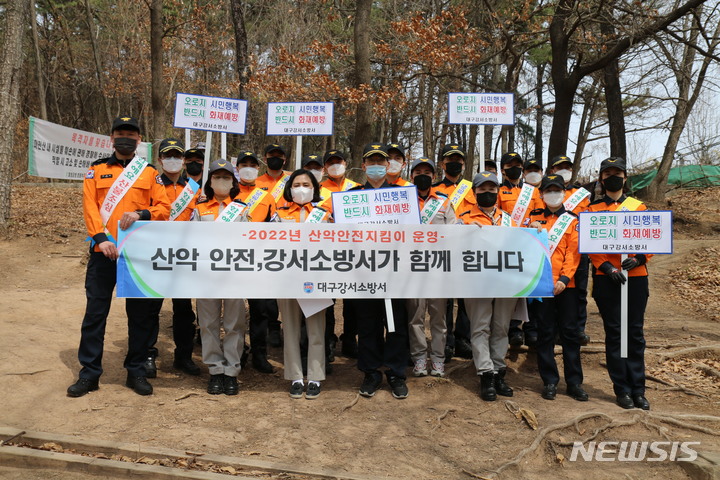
(248, 174)
(553, 199)
(275, 163)
(221, 186)
(317, 174)
(172, 165)
(613, 184)
(125, 146)
(486, 199)
(337, 170)
(513, 173)
(423, 182)
(565, 173)
(376, 172)
(533, 178)
(394, 167)
(302, 195)
(194, 168)
(453, 168)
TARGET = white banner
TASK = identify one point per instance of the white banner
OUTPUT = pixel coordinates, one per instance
(300, 118)
(55, 151)
(215, 114)
(626, 232)
(396, 205)
(310, 261)
(481, 108)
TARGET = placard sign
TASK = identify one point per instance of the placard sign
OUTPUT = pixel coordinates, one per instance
(648, 231)
(300, 118)
(215, 114)
(481, 108)
(394, 206)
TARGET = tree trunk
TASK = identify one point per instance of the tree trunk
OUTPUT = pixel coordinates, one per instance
(11, 57)
(539, 113)
(98, 65)
(613, 100)
(586, 123)
(242, 64)
(157, 84)
(38, 63)
(363, 112)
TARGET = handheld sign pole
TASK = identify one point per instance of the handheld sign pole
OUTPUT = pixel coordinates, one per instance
(624, 312)
(298, 151)
(223, 145)
(208, 158)
(389, 315)
(481, 159)
(187, 138)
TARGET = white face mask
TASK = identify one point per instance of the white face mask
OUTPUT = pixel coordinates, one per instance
(302, 195)
(172, 165)
(553, 199)
(248, 174)
(533, 178)
(337, 170)
(565, 174)
(394, 167)
(317, 174)
(221, 186)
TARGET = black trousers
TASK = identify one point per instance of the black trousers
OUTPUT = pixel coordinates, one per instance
(99, 286)
(183, 327)
(581, 285)
(375, 347)
(461, 323)
(559, 315)
(627, 374)
(263, 315)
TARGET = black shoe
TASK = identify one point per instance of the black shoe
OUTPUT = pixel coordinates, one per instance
(313, 391)
(296, 390)
(332, 343)
(398, 387)
(230, 385)
(82, 387)
(531, 340)
(274, 338)
(449, 351)
(370, 385)
(186, 365)
(577, 392)
(328, 367)
(140, 385)
(584, 339)
(641, 402)
(150, 367)
(625, 401)
(216, 385)
(549, 391)
(502, 388)
(349, 348)
(463, 348)
(244, 357)
(487, 387)
(515, 339)
(260, 363)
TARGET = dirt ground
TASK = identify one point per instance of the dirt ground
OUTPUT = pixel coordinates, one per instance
(443, 430)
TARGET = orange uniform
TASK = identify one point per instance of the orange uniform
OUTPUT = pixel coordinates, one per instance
(146, 196)
(582, 206)
(475, 214)
(173, 190)
(208, 210)
(606, 204)
(508, 197)
(333, 186)
(465, 204)
(446, 214)
(265, 205)
(566, 257)
(400, 182)
(294, 213)
(267, 182)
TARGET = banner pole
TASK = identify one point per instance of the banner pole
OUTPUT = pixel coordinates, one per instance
(389, 315)
(208, 155)
(298, 151)
(624, 313)
(223, 145)
(481, 150)
(187, 138)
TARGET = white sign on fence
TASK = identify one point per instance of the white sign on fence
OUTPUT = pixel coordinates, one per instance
(481, 108)
(396, 205)
(626, 232)
(55, 151)
(300, 118)
(214, 114)
(312, 261)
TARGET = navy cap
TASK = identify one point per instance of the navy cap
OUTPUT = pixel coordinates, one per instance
(247, 154)
(423, 161)
(221, 164)
(275, 146)
(532, 163)
(125, 123)
(396, 146)
(310, 159)
(559, 159)
(171, 144)
(509, 157)
(490, 163)
(452, 149)
(333, 154)
(617, 162)
(552, 180)
(484, 177)
(375, 149)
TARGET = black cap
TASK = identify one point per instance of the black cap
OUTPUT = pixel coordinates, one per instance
(221, 164)
(617, 162)
(532, 163)
(558, 159)
(310, 159)
(550, 180)
(171, 144)
(395, 146)
(247, 154)
(452, 149)
(422, 161)
(125, 123)
(509, 157)
(490, 163)
(331, 154)
(375, 149)
(275, 146)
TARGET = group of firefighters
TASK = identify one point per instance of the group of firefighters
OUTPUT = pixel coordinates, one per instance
(124, 188)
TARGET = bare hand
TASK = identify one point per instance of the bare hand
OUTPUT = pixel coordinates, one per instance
(128, 219)
(108, 249)
(559, 287)
(537, 225)
(201, 198)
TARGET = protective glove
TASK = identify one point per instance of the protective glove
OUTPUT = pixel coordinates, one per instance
(615, 275)
(632, 262)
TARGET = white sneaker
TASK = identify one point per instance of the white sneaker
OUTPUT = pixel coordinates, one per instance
(420, 368)
(438, 369)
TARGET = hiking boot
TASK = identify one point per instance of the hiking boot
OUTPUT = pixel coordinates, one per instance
(82, 387)
(487, 387)
(186, 365)
(139, 385)
(216, 384)
(502, 388)
(230, 385)
(260, 362)
(150, 367)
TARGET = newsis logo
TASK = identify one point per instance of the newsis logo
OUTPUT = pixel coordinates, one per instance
(634, 451)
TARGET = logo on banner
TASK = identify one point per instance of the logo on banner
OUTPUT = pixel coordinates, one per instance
(308, 287)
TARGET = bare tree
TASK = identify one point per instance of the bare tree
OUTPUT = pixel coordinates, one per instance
(363, 112)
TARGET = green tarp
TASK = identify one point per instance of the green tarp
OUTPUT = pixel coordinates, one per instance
(681, 177)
